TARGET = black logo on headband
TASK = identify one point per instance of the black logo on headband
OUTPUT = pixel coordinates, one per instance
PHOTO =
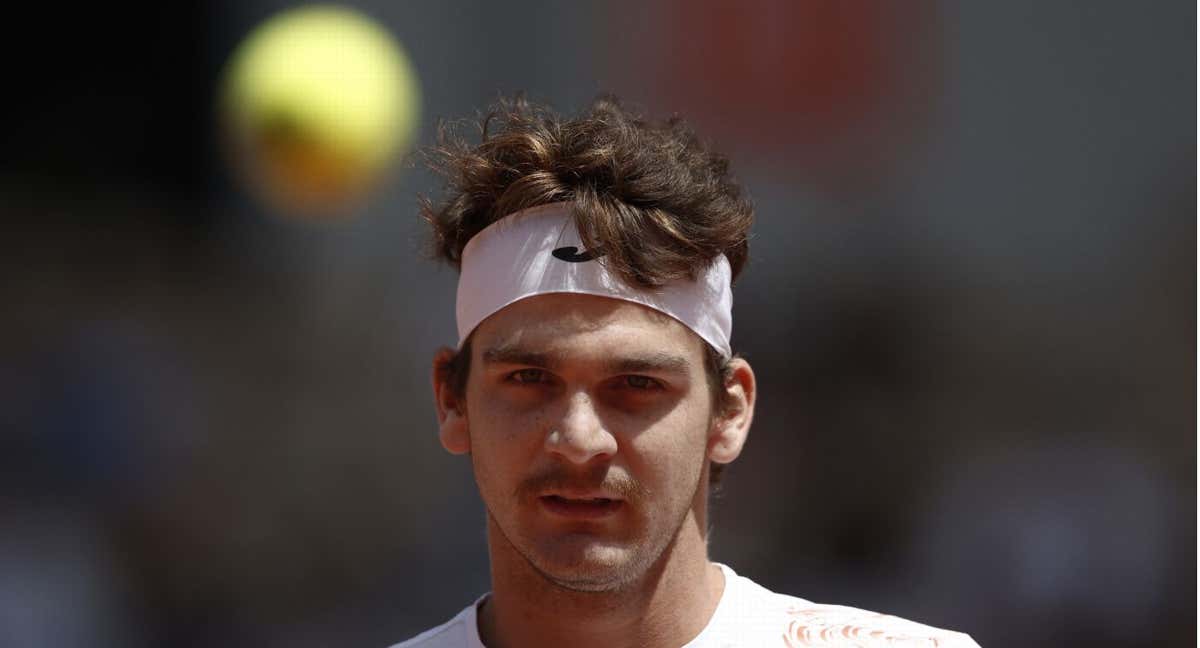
(571, 254)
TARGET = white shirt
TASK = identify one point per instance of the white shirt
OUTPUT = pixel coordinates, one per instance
(751, 616)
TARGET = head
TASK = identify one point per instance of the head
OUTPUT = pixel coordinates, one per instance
(595, 425)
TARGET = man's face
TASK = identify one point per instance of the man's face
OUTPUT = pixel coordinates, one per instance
(588, 421)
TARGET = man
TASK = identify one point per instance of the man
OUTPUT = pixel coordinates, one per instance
(596, 393)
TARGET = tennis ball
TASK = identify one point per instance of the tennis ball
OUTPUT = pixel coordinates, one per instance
(316, 102)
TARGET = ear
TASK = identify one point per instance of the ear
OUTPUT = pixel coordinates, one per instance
(451, 408)
(731, 426)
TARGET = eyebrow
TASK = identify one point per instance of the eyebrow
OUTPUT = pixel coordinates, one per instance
(505, 354)
(657, 361)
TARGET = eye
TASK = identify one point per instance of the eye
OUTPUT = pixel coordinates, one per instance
(643, 383)
(528, 376)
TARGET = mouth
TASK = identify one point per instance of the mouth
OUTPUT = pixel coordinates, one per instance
(583, 508)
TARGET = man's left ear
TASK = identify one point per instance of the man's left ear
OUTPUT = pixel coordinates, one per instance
(732, 424)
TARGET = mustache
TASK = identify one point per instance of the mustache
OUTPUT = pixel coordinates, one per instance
(559, 477)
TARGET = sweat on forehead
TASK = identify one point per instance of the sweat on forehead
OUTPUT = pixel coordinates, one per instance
(628, 362)
(538, 251)
(564, 320)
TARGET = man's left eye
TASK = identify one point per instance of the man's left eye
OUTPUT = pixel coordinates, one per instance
(642, 382)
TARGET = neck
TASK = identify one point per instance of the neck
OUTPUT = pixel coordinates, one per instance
(667, 606)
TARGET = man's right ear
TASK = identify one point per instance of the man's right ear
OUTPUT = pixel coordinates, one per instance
(451, 409)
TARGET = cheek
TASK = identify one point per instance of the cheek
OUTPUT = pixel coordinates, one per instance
(672, 452)
(494, 419)
(495, 468)
(503, 438)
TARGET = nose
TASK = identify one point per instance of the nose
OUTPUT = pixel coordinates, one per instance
(580, 435)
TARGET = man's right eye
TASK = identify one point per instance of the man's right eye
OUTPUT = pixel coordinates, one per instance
(528, 376)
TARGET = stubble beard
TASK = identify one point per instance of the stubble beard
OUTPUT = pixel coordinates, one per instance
(614, 576)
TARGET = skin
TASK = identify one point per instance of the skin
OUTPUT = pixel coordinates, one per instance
(574, 396)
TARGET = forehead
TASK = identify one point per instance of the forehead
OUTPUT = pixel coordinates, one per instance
(566, 322)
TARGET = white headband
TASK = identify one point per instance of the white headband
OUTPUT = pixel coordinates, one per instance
(537, 251)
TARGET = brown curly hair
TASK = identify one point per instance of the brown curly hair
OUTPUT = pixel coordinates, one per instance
(657, 201)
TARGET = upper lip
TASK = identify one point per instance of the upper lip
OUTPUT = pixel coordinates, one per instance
(582, 494)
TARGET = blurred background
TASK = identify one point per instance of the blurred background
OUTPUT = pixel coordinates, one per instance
(970, 305)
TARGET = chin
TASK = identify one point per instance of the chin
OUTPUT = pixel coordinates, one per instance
(582, 564)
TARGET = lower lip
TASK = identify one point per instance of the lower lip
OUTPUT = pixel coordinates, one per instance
(580, 509)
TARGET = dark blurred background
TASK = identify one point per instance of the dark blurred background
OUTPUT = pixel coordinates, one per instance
(970, 304)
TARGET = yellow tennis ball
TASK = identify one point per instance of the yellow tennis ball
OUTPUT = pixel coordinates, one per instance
(318, 101)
